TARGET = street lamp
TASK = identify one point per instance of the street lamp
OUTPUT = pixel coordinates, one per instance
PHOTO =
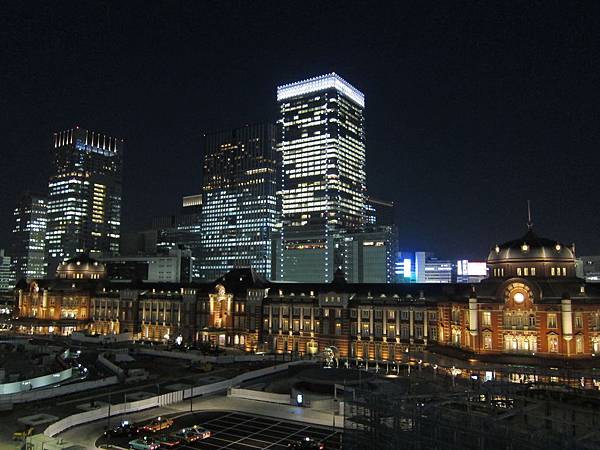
(454, 371)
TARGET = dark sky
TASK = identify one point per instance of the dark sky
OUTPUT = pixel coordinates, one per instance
(472, 107)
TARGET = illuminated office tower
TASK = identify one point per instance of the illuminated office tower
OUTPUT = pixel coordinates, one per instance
(238, 200)
(322, 145)
(84, 196)
(28, 239)
(7, 276)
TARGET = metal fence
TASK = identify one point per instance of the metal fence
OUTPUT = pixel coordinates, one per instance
(415, 415)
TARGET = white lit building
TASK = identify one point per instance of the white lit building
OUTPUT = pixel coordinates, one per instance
(7, 279)
(322, 146)
(470, 271)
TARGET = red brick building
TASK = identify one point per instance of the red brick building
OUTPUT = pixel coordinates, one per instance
(532, 304)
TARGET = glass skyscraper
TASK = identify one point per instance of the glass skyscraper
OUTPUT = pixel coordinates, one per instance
(7, 276)
(28, 239)
(322, 144)
(84, 196)
(239, 210)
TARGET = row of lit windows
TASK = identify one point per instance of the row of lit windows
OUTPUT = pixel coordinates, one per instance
(526, 271)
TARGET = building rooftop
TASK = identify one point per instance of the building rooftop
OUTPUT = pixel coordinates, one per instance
(321, 83)
(531, 247)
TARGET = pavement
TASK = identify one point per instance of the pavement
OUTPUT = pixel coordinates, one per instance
(88, 434)
(234, 430)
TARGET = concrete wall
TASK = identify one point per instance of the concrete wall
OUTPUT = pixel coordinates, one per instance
(269, 397)
(35, 383)
(23, 397)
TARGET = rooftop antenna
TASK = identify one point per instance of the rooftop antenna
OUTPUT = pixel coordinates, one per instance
(529, 222)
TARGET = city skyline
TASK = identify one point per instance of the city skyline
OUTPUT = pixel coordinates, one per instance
(300, 225)
(455, 133)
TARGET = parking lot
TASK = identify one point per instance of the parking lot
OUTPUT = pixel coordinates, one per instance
(236, 431)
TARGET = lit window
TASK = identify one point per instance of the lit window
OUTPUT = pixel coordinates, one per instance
(553, 344)
(579, 344)
(486, 318)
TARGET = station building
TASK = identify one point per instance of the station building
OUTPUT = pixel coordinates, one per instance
(532, 303)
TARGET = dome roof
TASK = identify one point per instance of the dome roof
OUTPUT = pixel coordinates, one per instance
(531, 247)
(81, 266)
(81, 259)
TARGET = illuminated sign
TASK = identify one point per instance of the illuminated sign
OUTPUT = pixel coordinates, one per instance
(471, 268)
(407, 267)
(477, 268)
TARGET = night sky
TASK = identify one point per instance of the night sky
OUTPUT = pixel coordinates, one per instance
(472, 107)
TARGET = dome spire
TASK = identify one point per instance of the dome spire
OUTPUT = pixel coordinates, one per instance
(529, 222)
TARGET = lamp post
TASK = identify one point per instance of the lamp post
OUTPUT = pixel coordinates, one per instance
(108, 416)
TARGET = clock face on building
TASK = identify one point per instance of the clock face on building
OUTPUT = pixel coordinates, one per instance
(519, 297)
(518, 294)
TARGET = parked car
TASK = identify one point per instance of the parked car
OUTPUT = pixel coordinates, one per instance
(307, 444)
(125, 428)
(168, 441)
(192, 434)
(158, 424)
(144, 443)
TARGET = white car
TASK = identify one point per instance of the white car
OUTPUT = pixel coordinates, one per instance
(192, 434)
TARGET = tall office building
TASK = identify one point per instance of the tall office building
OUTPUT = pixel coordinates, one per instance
(322, 145)
(28, 239)
(7, 278)
(84, 196)
(369, 255)
(239, 200)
